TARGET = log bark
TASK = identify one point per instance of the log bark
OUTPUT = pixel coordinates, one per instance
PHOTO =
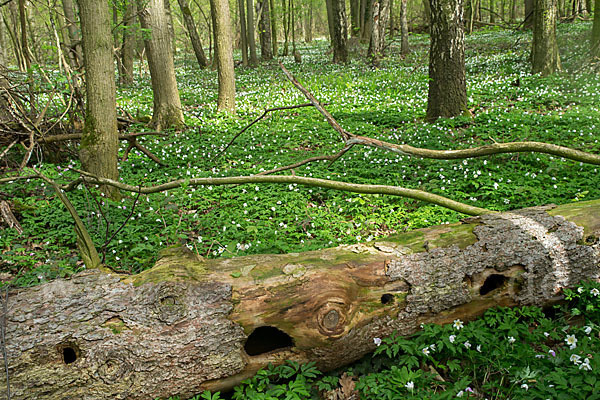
(190, 324)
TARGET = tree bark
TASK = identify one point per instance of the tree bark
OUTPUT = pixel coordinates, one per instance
(243, 32)
(24, 42)
(404, 48)
(264, 27)
(99, 146)
(251, 32)
(274, 26)
(545, 58)
(170, 25)
(75, 50)
(381, 13)
(354, 18)
(447, 95)
(528, 19)
(167, 111)
(129, 39)
(190, 26)
(187, 324)
(595, 39)
(339, 32)
(224, 49)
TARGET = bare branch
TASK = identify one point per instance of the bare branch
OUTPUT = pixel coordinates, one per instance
(333, 158)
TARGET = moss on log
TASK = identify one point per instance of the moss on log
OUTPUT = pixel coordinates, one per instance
(190, 324)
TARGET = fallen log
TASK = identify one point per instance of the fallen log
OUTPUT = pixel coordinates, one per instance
(190, 324)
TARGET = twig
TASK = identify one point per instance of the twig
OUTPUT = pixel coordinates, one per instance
(105, 245)
(8, 148)
(332, 158)
(268, 110)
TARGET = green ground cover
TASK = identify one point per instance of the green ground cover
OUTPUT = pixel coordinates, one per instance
(508, 103)
(388, 102)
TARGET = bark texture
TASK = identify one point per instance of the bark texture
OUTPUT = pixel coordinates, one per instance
(404, 48)
(183, 326)
(129, 38)
(190, 26)
(339, 33)
(224, 48)
(447, 95)
(75, 53)
(167, 111)
(545, 58)
(381, 14)
(595, 39)
(250, 32)
(243, 32)
(264, 28)
(100, 140)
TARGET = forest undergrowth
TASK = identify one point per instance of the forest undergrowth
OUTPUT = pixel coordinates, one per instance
(520, 353)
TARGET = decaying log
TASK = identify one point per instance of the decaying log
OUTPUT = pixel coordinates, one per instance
(191, 324)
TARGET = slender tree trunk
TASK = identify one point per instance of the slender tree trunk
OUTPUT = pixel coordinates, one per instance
(170, 25)
(447, 83)
(381, 14)
(329, 20)
(274, 26)
(75, 50)
(368, 24)
(167, 110)
(24, 43)
(404, 49)
(224, 48)
(392, 27)
(362, 12)
(513, 11)
(3, 45)
(286, 27)
(427, 12)
(128, 48)
(354, 18)
(545, 58)
(308, 24)
(293, 25)
(492, 12)
(529, 14)
(340, 31)
(264, 26)
(12, 23)
(595, 40)
(99, 144)
(251, 32)
(190, 26)
(243, 32)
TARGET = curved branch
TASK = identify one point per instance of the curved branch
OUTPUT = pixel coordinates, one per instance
(496, 148)
(301, 180)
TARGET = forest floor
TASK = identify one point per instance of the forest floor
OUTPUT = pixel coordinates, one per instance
(388, 102)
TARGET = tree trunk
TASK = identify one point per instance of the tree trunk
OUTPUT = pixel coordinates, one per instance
(339, 31)
(264, 27)
(513, 11)
(190, 26)
(251, 32)
(24, 43)
(3, 44)
(427, 12)
(75, 50)
(243, 32)
(170, 26)
(528, 19)
(187, 325)
(595, 40)
(544, 50)
(354, 18)
(392, 27)
(447, 82)
(492, 12)
(404, 49)
(128, 49)
(368, 22)
(224, 49)
(167, 111)
(274, 26)
(100, 141)
(308, 24)
(381, 12)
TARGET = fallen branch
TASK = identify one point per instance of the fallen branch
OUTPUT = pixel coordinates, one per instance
(496, 148)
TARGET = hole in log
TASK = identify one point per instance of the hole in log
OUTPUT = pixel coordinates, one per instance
(387, 298)
(69, 355)
(492, 282)
(267, 338)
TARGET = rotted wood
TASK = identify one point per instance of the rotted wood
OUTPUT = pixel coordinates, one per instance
(190, 324)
